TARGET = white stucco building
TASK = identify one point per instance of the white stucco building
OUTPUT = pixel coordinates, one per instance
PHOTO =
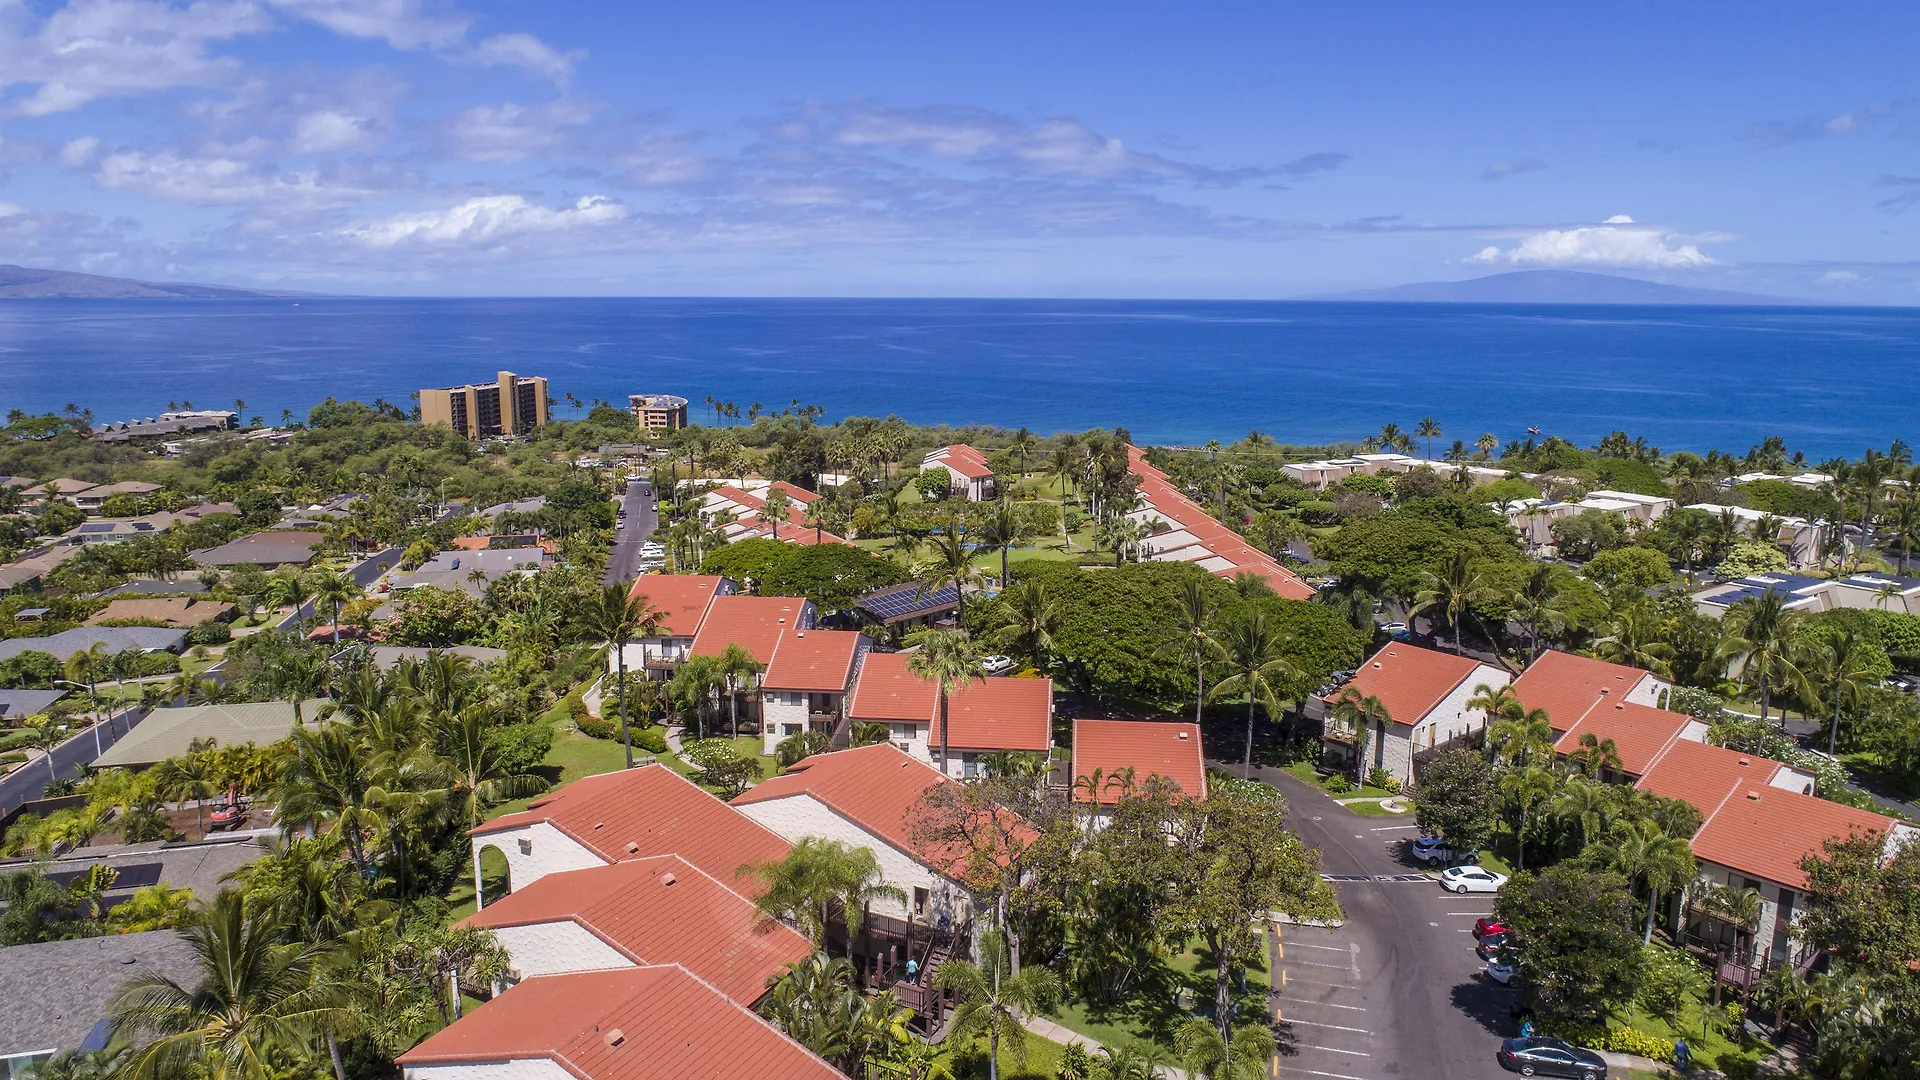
(805, 685)
(682, 602)
(983, 716)
(1425, 695)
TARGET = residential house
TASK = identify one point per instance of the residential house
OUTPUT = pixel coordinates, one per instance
(637, 813)
(1533, 519)
(659, 1022)
(681, 603)
(1424, 694)
(93, 498)
(29, 574)
(177, 422)
(805, 685)
(471, 572)
(740, 514)
(63, 487)
(1183, 532)
(911, 603)
(17, 704)
(984, 715)
(1323, 474)
(1113, 757)
(118, 530)
(182, 612)
(658, 910)
(1566, 686)
(1803, 541)
(968, 473)
(62, 990)
(1814, 595)
(115, 639)
(168, 733)
(267, 550)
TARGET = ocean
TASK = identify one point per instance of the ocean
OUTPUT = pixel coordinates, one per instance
(1831, 381)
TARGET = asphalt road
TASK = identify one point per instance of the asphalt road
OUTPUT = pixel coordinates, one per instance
(624, 563)
(29, 781)
(1397, 991)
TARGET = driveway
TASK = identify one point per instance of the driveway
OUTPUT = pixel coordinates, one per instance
(641, 520)
(1396, 991)
(29, 781)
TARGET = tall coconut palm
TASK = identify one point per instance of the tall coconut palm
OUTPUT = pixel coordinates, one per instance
(947, 660)
(1252, 649)
(1194, 613)
(739, 668)
(1032, 617)
(950, 564)
(1000, 530)
(1023, 443)
(1524, 790)
(329, 784)
(467, 761)
(1587, 804)
(1762, 635)
(1633, 639)
(695, 684)
(815, 877)
(994, 1000)
(1522, 739)
(187, 778)
(1641, 851)
(1429, 430)
(775, 509)
(616, 618)
(1843, 665)
(1452, 593)
(255, 1001)
(334, 590)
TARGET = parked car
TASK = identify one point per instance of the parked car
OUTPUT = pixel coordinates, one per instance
(1493, 946)
(1434, 851)
(1543, 1056)
(1466, 879)
(1500, 971)
(1486, 927)
(1396, 630)
(994, 665)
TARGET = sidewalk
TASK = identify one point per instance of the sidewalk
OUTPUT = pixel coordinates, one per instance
(1066, 1036)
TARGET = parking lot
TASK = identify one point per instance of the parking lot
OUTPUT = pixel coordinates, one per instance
(1397, 990)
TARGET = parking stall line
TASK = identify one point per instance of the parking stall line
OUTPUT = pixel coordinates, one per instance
(1330, 948)
(1316, 1072)
(1318, 1024)
(1332, 1050)
(1395, 828)
(1327, 1004)
(1309, 963)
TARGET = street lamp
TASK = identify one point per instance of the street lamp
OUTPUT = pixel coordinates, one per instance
(97, 748)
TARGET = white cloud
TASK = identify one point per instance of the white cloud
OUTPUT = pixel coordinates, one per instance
(403, 24)
(511, 132)
(526, 52)
(1500, 170)
(92, 49)
(329, 131)
(78, 152)
(219, 181)
(1617, 242)
(1776, 133)
(487, 222)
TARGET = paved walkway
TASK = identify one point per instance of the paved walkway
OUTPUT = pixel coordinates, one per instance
(1066, 1036)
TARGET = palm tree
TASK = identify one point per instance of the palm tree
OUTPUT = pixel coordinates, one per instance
(1193, 621)
(774, 510)
(1596, 756)
(1588, 804)
(1022, 444)
(1641, 850)
(468, 759)
(334, 590)
(947, 660)
(86, 667)
(739, 668)
(1524, 789)
(950, 564)
(44, 735)
(1498, 702)
(1633, 639)
(816, 876)
(1032, 618)
(993, 1000)
(1520, 738)
(1763, 637)
(1845, 667)
(1206, 1056)
(1252, 649)
(188, 777)
(328, 784)
(1001, 529)
(616, 618)
(1429, 430)
(257, 998)
(1360, 712)
(1452, 592)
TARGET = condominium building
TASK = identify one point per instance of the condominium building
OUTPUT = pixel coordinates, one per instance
(658, 412)
(511, 405)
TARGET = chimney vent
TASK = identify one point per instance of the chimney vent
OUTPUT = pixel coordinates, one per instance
(633, 847)
(615, 1037)
(1183, 736)
(668, 878)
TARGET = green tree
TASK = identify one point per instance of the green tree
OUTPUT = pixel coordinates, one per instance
(1030, 619)
(993, 1000)
(1457, 800)
(950, 564)
(1194, 619)
(816, 877)
(1204, 1054)
(1641, 850)
(334, 590)
(1524, 789)
(1452, 593)
(947, 660)
(1763, 638)
(1251, 649)
(1576, 921)
(616, 618)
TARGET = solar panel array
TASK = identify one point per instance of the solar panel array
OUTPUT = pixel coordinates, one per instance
(899, 600)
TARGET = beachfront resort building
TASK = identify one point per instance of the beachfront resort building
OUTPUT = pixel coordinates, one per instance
(1814, 595)
(510, 405)
(1325, 473)
(658, 412)
(967, 469)
(1533, 518)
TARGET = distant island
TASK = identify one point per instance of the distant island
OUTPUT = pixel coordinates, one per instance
(28, 283)
(1557, 287)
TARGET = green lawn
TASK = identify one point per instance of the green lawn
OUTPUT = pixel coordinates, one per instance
(745, 746)
(1373, 809)
(1715, 1051)
(1305, 771)
(1152, 1011)
(1043, 1058)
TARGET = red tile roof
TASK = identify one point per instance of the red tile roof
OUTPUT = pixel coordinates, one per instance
(1170, 750)
(875, 787)
(1766, 831)
(1567, 685)
(1411, 681)
(738, 495)
(648, 1023)
(886, 690)
(817, 661)
(964, 460)
(1183, 513)
(682, 599)
(1640, 733)
(755, 622)
(797, 529)
(661, 910)
(795, 492)
(649, 811)
(1705, 775)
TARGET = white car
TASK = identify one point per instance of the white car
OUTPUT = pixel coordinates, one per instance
(1466, 879)
(994, 665)
(1432, 849)
(1500, 971)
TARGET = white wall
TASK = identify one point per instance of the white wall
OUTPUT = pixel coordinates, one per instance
(516, 1069)
(1448, 720)
(653, 648)
(553, 948)
(535, 850)
(802, 815)
(779, 711)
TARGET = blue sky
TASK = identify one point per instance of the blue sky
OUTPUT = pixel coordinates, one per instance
(1256, 150)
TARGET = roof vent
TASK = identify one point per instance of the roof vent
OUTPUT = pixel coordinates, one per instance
(633, 847)
(1606, 689)
(599, 825)
(1622, 707)
(1753, 796)
(783, 618)
(1744, 763)
(615, 1037)
(1183, 736)
(668, 878)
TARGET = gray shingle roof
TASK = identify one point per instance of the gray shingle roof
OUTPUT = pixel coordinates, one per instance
(117, 639)
(167, 733)
(60, 989)
(271, 548)
(27, 702)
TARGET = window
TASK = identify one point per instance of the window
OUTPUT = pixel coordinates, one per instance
(921, 899)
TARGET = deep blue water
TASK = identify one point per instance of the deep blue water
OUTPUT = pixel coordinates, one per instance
(1829, 380)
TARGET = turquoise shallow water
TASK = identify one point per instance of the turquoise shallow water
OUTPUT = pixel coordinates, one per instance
(1830, 380)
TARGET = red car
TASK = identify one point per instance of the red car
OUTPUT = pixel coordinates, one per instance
(1488, 927)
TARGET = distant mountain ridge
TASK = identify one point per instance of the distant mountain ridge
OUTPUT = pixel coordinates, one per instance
(28, 283)
(1558, 287)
